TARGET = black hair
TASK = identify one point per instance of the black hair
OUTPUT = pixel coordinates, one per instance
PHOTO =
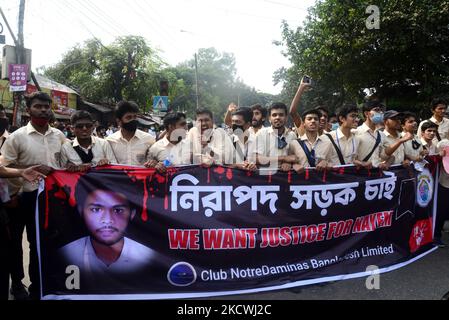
(428, 125)
(124, 107)
(310, 111)
(262, 110)
(346, 109)
(435, 102)
(109, 180)
(245, 112)
(2, 108)
(278, 105)
(406, 115)
(81, 115)
(371, 104)
(322, 109)
(38, 95)
(204, 111)
(173, 118)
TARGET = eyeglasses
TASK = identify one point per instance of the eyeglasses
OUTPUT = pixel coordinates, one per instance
(84, 125)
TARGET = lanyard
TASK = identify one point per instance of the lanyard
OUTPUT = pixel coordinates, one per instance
(338, 142)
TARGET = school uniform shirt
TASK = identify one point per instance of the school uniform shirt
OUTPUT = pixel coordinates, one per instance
(101, 149)
(348, 147)
(412, 148)
(431, 147)
(367, 140)
(27, 147)
(244, 150)
(134, 257)
(443, 128)
(399, 154)
(444, 176)
(134, 152)
(219, 145)
(322, 148)
(176, 154)
(266, 142)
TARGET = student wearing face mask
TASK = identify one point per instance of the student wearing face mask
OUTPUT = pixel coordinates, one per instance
(333, 123)
(173, 149)
(243, 139)
(35, 144)
(369, 137)
(130, 145)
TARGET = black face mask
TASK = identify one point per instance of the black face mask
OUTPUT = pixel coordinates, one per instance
(237, 127)
(130, 126)
(3, 124)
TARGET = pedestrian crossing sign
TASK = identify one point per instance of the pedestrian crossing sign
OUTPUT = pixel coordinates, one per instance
(160, 103)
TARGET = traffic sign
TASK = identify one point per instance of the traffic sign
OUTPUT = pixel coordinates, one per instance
(160, 103)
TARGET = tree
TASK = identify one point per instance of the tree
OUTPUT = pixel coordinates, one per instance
(127, 69)
(217, 84)
(405, 61)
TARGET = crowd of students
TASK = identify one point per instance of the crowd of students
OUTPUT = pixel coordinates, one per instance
(318, 140)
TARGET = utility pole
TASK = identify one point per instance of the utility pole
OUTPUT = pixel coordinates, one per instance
(20, 53)
(196, 78)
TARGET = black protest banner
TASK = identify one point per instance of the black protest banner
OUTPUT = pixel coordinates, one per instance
(130, 233)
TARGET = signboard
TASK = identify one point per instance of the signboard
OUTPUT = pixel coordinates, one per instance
(160, 103)
(18, 74)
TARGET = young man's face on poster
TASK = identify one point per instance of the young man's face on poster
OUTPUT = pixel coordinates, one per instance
(106, 215)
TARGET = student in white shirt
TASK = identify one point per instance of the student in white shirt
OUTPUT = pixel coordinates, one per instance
(85, 150)
(370, 137)
(35, 144)
(173, 149)
(243, 139)
(393, 142)
(413, 148)
(438, 107)
(428, 134)
(311, 150)
(344, 142)
(209, 145)
(130, 145)
(259, 118)
(272, 142)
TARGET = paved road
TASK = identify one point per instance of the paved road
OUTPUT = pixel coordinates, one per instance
(425, 279)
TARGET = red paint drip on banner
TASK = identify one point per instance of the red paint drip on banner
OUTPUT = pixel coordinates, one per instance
(307, 174)
(369, 173)
(142, 175)
(208, 175)
(145, 200)
(324, 175)
(289, 178)
(219, 170)
(342, 171)
(269, 177)
(166, 191)
(229, 174)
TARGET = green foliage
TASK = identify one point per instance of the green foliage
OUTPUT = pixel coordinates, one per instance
(405, 62)
(126, 69)
(130, 69)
